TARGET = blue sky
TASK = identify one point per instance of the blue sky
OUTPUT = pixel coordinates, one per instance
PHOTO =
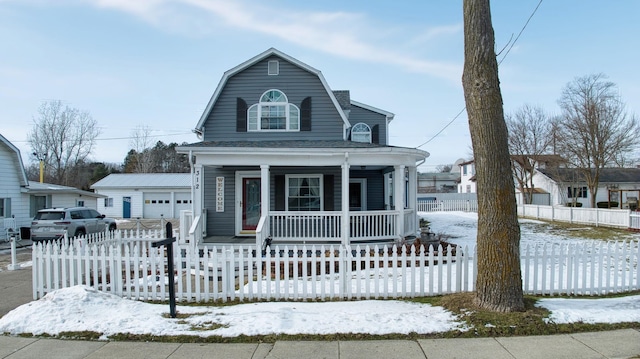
(156, 62)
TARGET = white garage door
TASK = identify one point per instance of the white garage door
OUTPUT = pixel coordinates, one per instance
(157, 205)
(183, 202)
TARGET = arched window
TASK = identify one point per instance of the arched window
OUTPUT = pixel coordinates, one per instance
(273, 113)
(361, 132)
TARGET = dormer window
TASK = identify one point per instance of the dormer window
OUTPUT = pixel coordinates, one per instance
(361, 132)
(273, 113)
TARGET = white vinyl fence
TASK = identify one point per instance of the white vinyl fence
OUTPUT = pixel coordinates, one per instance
(132, 268)
(621, 218)
(465, 205)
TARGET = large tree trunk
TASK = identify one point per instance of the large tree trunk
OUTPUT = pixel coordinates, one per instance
(499, 280)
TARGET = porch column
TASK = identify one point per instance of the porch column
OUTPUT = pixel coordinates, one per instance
(264, 190)
(197, 182)
(413, 196)
(345, 203)
(398, 197)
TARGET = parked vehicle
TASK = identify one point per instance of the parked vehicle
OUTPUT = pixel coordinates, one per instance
(52, 223)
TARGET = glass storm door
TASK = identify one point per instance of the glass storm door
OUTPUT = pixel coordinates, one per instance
(250, 203)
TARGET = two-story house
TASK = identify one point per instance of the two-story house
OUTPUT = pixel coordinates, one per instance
(467, 177)
(285, 158)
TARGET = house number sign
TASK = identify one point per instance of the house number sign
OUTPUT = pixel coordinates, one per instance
(219, 194)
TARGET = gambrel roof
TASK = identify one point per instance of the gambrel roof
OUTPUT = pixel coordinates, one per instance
(270, 52)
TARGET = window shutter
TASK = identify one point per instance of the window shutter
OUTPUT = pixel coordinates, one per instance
(280, 192)
(305, 114)
(7, 208)
(375, 134)
(241, 115)
(328, 192)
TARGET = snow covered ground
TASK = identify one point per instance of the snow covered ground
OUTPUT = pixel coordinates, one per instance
(81, 308)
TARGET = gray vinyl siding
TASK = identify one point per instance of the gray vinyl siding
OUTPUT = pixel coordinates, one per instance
(359, 114)
(223, 223)
(251, 83)
(375, 188)
(220, 223)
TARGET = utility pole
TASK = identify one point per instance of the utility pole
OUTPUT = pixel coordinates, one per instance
(41, 157)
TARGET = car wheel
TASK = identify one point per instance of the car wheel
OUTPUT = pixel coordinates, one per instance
(79, 232)
(112, 227)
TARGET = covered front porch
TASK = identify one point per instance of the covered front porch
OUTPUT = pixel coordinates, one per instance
(303, 196)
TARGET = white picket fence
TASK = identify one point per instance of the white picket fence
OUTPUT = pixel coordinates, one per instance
(133, 269)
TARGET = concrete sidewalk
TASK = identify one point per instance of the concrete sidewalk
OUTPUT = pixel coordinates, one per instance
(15, 290)
(612, 344)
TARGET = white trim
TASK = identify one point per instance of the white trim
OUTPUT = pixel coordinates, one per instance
(237, 205)
(366, 132)
(257, 108)
(320, 178)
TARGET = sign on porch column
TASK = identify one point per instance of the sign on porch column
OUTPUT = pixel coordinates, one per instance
(219, 194)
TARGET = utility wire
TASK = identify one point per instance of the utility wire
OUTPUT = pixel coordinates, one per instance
(499, 62)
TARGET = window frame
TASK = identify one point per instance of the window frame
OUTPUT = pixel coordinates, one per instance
(577, 192)
(320, 195)
(256, 120)
(273, 65)
(367, 133)
(108, 202)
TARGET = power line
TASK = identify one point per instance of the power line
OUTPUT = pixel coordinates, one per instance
(499, 62)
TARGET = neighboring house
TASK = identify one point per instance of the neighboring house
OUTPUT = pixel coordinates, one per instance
(14, 204)
(283, 156)
(524, 166)
(438, 182)
(565, 185)
(20, 198)
(467, 177)
(46, 195)
(144, 195)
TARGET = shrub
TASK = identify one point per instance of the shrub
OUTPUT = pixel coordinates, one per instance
(605, 204)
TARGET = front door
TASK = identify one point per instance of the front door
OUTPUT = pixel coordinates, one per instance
(357, 194)
(250, 203)
(126, 207)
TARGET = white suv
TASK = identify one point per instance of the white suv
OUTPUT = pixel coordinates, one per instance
(51, 224)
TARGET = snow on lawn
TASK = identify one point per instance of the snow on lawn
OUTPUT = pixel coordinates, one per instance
(82, 308)
(462, 227)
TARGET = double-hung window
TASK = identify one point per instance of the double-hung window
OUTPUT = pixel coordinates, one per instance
(273, 113)
(304, 192)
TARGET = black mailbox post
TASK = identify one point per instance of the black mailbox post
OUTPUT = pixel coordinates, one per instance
(168, 242)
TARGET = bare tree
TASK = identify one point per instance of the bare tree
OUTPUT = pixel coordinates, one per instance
(444, 168)
(530, 136)
(64, 138)
(596, 129)
(141, 144)
(499, 280)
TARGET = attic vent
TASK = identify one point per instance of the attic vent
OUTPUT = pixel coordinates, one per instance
(274, 67)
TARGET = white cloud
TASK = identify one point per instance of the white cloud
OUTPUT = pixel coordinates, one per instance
(345, 34)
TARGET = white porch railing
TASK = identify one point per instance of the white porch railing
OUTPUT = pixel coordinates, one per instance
(132, 268)
(327, 226)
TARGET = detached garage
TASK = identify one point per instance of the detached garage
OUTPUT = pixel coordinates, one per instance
(144, 195)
